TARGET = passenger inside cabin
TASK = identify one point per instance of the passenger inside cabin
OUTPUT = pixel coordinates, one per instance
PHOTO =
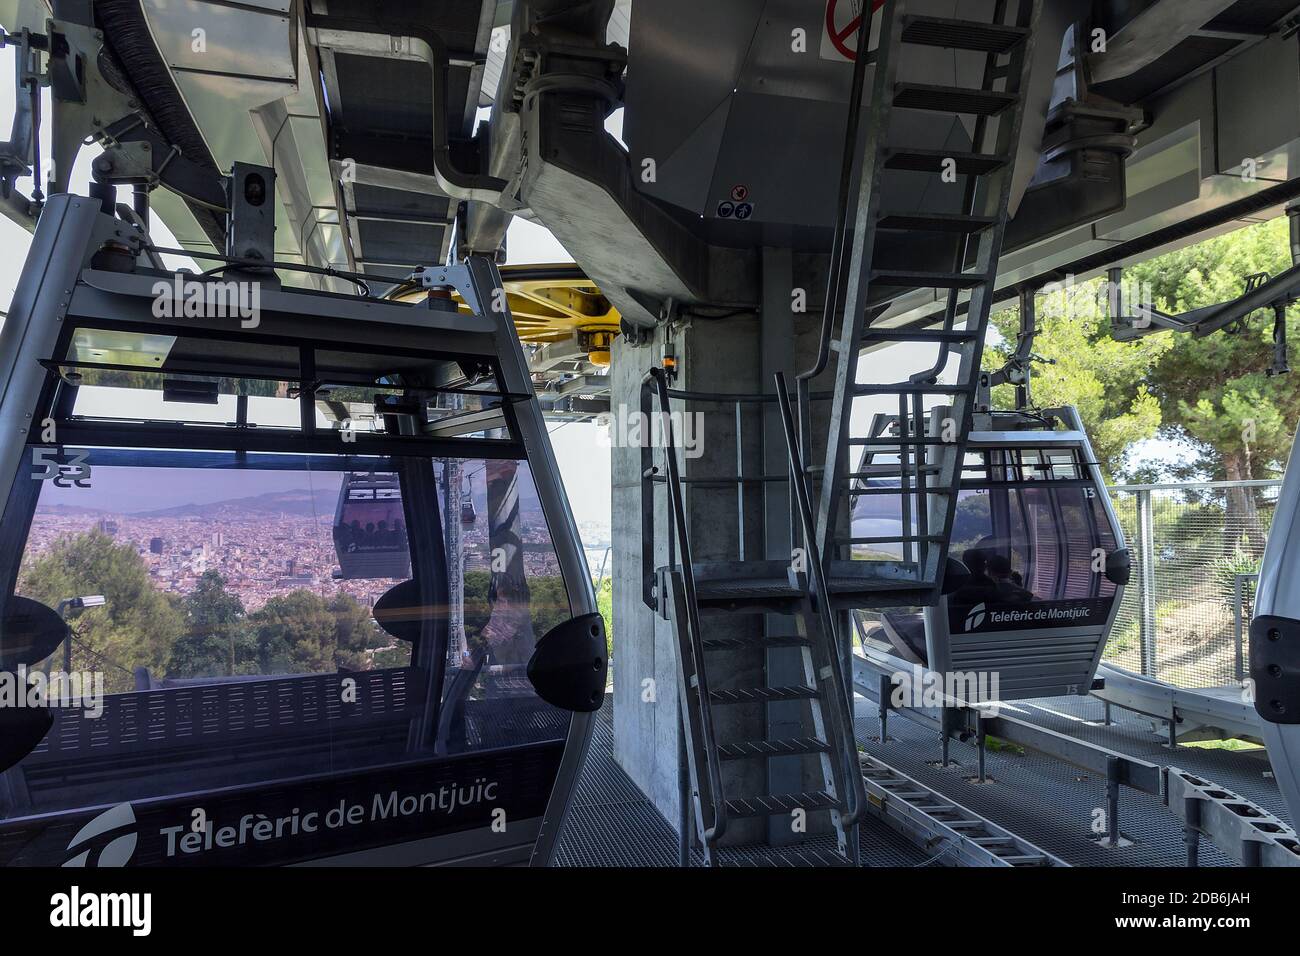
(1008, 583)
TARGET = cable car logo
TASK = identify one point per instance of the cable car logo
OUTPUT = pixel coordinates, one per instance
(976, 617)
(117, 852)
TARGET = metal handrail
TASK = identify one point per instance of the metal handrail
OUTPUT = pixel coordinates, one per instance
(856, 796)
(659, 378)
(835, 275)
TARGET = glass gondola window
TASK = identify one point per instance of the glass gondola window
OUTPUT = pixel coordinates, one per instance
(244, 563)
(1031, 548)
(513, 594)
(227, 628)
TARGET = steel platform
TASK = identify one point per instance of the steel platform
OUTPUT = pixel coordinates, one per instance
(1042, 800)
(612, 823)
(1056, 805)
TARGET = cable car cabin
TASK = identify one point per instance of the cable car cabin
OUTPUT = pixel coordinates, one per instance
(173, 508)
(468, 513)
(370, 528)
(1036, 564)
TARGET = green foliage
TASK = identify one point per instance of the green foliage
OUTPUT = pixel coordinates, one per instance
(1212, 394)
(208, 632)
(1225, 571)
(1103, 378)
(216, 640)
(605, 604)
(548, 603)
(300, 632)
(137, 626)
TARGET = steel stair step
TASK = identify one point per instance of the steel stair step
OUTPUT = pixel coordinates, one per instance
(886, 441)
(840, 584)
(918, 335)
(936, 160)
(994, 841)
(746, 589)
(911, 491)
(787, 858)
(962, 225)
(755, 749)
(952, 99)
(781, 803)
(926, 280)
(962, 34)
(762, 695)
(880, 440)
(862, 388)
(747, 643)
(891, 471)
(891, 539)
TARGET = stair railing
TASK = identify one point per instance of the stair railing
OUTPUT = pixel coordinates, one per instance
(655, 384)
(856, 797)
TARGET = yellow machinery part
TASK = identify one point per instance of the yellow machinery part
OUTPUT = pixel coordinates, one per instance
(554, 303)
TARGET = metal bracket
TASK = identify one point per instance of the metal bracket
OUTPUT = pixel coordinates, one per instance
(460, 278)
(1243, 830)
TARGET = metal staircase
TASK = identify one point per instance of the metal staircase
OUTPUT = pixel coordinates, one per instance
(687, 590)
(905, 567)
(924, 478)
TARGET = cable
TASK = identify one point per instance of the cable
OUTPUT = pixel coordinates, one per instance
(354, 277)
(952, 845)
(103, 658)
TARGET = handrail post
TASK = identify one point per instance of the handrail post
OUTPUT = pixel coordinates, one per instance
(660, 380)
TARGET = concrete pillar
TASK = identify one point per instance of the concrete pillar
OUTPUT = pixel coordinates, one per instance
(717, 355)
(732, 355)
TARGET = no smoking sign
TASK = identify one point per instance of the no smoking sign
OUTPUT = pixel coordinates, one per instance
(841, 25)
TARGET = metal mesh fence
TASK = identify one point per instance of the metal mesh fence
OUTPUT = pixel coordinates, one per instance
(1196, 549)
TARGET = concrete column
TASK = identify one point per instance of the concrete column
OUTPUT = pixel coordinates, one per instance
(732, 355)
(717, 355)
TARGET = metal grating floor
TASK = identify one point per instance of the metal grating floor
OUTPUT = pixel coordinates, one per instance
(1053, 804)
(612, 823)
(1044, 801)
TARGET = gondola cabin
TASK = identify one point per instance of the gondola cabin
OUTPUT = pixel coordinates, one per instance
(166, 558)
(1036, 566)
(370, 528)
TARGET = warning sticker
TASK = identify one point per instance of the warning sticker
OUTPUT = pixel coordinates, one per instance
(735, 210)
(840, 28)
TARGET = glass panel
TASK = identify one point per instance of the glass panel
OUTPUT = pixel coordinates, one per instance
(412, 371)
(233, 628)
(1032, 554)
(182, 353)
(513, 594)
(141, 396)
(397, 413)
